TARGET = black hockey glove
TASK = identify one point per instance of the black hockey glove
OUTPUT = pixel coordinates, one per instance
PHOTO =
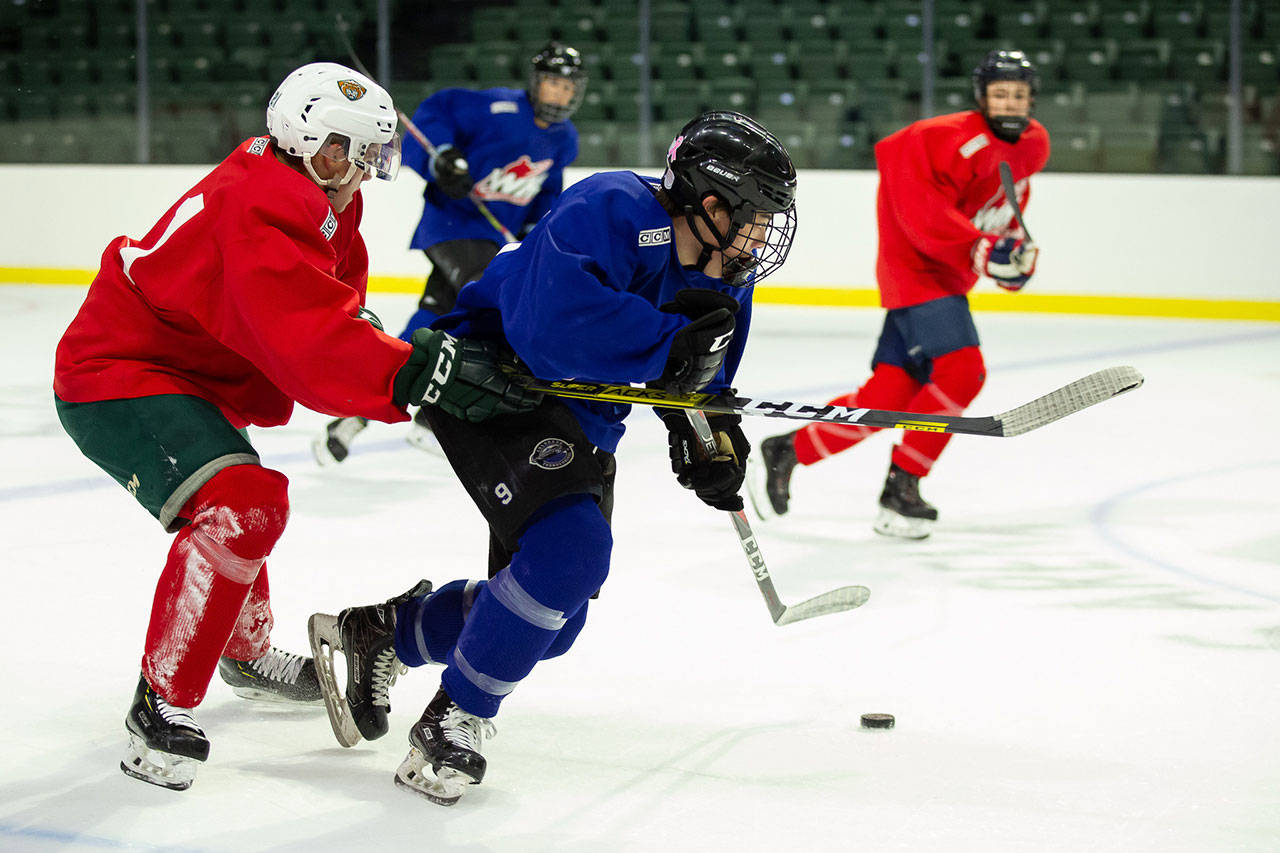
(699, 348)
(716, 479)
(450, 170)
(462, 377)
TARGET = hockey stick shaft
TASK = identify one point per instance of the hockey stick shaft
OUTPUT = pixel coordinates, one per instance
(1011, 193)
(1071, 398)
(419, 135)
(844, 598)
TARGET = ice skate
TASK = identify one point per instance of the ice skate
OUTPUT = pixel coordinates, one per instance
(165, 744)
(335, 446)
(421, 436)
(903, 513)
(366, 638)
(277, 676)
(769, 476)
(444, 755)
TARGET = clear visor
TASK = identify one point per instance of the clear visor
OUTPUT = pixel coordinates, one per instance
(377, 159)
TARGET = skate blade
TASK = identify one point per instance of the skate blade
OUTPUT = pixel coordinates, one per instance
(322, 632)
(443, 787)
(890, 523)
(175, 772)
(275, 698)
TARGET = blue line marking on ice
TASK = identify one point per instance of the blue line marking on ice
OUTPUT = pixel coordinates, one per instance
(1100, 519)
(79, 839)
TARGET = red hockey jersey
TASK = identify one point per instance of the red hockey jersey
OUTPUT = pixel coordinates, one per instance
(939, 192)
(246, 293)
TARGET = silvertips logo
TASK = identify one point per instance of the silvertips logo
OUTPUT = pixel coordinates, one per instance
(351, 89)
(655, 236)
(551, 453)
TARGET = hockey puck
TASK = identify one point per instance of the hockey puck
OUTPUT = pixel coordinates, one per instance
(877, 721)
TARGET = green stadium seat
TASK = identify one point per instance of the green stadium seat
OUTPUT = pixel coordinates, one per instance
(850, 147)
(798, 138)
(1130, 149)
(1177, 21)
(734, 93)
(1127, 23)
(670, 22)
(820, 61)
(1261, 154)
(1144, 59)
(1258, 64)
(1189, 151)
(494, 23)
(1073, 22)
(597, 145)
(1020, 24)
(1061, 109)
(1198, 60)
(1091, 60)
(452, 62)
(1076, 148)
(781, 107)
(952, 94)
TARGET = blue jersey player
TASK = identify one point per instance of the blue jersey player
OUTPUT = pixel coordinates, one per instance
(503, 147)
(627, 279)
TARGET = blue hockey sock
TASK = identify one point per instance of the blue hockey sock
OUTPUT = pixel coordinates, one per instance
(427, 627)
(518, 617)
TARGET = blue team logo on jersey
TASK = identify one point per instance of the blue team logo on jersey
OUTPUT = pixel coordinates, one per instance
(551, 453)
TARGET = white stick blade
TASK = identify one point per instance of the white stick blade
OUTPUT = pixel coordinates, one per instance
(1069, 399)
(836, 601)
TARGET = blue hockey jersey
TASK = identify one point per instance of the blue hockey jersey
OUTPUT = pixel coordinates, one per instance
(518, 167)
(579, 297)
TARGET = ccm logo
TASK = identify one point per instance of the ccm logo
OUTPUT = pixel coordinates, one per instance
(655, 236)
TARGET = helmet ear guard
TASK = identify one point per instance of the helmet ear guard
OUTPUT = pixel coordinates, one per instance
(731, 157)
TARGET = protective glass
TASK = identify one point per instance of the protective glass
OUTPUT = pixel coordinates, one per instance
(379, 159)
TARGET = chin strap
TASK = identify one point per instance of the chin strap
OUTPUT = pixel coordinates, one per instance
(704, 257)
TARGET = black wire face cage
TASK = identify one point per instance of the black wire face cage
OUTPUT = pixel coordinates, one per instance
(555, 113)
(749, 270)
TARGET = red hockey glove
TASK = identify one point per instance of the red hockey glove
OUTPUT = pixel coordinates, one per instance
(1008, 260)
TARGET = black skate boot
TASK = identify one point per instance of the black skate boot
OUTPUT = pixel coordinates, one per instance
(769, 484)
(336, 444)
(444, 755)
(165, 743)
(277, 676)
(903, 513)
(367, 638)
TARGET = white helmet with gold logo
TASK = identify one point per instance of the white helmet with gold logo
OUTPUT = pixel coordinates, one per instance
(329, 108)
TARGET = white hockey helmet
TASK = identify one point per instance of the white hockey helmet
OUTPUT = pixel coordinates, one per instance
(322, 105)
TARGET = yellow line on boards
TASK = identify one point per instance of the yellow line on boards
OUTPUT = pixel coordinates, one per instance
(1028, 302)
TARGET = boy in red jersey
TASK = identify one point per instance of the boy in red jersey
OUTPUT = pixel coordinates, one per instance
(246, 296)
(943, 222)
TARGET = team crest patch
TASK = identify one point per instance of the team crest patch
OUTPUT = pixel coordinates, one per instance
(259, 145)
(655, 236)
(551, 453)
(329, 226)
(351, 89)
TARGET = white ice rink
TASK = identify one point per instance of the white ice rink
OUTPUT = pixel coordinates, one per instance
(1085, 656)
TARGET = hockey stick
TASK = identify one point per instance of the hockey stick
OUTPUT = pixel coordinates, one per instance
(1011, 193)
(835, 601)
(418, 134)
(1067, 400)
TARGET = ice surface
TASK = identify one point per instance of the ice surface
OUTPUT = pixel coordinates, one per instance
(1085, 656)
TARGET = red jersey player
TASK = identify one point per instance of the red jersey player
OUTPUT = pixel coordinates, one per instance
(246, 296)
(943, 222)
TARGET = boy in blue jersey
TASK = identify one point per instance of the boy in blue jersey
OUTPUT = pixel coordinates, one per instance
(627, 279)
(503, 147)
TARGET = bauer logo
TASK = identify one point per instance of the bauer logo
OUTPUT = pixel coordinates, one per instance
(655, 236)
(551, 453)
(716, 169)
(329, 226)
(351, 89)
(259, 145)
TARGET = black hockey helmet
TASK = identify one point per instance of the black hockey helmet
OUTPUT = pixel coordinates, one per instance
(734, 158)
(559, 61)
(1005, 65)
